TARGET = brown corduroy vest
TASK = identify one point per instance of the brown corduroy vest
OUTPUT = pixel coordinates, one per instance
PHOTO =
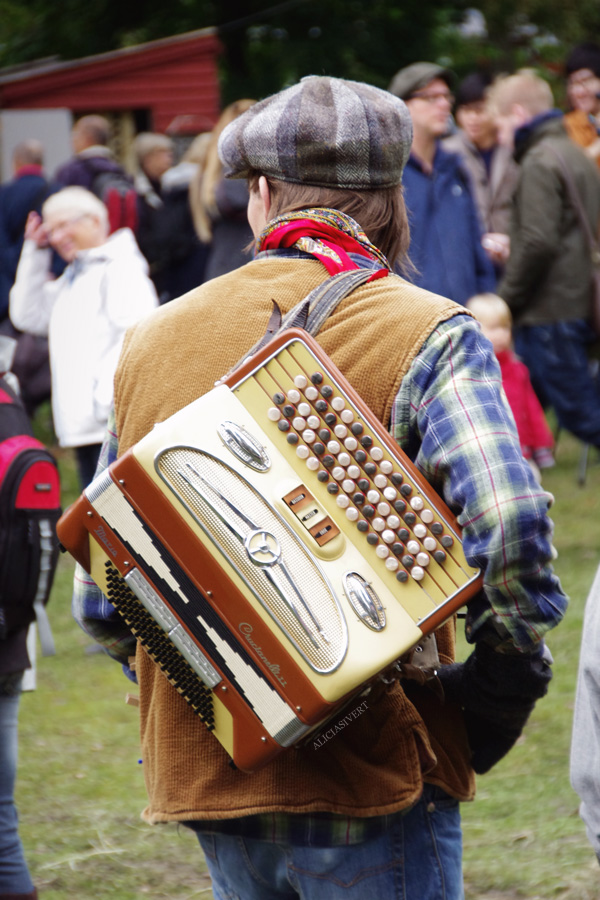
(378, 765)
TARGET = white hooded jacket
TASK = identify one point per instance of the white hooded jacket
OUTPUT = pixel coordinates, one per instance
(85, 314)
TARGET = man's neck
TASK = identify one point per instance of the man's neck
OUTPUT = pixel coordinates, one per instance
(423, 148)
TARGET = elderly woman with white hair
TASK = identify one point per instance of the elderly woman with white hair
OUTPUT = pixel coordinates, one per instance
(104, 290)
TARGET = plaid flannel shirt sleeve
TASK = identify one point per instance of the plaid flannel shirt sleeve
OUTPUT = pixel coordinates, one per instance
(91, 609)
(452, 418)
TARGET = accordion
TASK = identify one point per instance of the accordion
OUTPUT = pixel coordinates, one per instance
(272, 548)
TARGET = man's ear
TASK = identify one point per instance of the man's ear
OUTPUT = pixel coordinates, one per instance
(265, 195)
(521, 114)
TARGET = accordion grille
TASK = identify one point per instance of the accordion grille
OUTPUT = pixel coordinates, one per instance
(294, 591)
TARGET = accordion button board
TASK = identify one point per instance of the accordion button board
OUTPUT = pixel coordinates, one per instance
(272, 548)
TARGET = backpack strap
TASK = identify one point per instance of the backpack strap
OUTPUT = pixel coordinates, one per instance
(46, 567)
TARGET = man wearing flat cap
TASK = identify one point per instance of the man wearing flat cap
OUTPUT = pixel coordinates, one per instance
(445, 230)
(377, 806)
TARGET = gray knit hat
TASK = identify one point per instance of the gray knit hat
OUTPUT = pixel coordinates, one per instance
(417, 76)
(324, 132)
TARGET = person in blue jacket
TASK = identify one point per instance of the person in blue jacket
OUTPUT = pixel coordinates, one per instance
(27, 190)
(445, 235)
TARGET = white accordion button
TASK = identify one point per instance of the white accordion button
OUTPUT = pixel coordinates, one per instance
(294, 396)
(344, 459)
(382, 551)
(430, 544)
(333, 447)
(302, 451)
(304, 409)
(347, 416)
(388, 536)
(390, 493)
(313, 463)
(417, 573)
(393, 522)
(352, 513)
(299, 423)
(423, 559)
(373, 496)
(392, 564)
(313, 422)
(342, 501)
(417, 503)
(384, 509)
(311, 393)
(338, 472)
(308, 436)
(354, 471)
(301, 381)
(427, 516)
(386, 466)
(338, 403)
(380, 481)
(274, 414)
(413, 547)
(376, 453)
(420, 530)
(340, 431)
(348, 485)
(351, 443)
(378, 523)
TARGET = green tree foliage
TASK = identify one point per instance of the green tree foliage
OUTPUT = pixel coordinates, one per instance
(269, 44)
(347, 38)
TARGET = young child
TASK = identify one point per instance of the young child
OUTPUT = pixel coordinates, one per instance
(535, 436)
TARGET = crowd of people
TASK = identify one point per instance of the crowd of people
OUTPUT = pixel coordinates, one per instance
(474, 323)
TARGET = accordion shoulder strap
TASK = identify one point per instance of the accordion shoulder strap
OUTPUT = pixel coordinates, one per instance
(312, 310)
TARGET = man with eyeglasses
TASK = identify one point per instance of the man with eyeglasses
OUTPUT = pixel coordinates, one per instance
(445, 245)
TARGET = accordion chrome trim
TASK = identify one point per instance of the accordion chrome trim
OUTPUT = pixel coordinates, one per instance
(321, 636)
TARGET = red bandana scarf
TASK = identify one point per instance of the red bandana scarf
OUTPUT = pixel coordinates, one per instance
(328, 235)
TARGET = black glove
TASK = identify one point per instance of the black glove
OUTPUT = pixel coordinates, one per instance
(497, 692)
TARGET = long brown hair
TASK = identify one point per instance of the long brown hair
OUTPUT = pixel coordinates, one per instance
(380, 213)
(204, 185)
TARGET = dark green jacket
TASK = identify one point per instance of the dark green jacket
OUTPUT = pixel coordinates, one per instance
(548, 275)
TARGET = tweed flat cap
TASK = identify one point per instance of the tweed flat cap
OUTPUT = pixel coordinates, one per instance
(324, 132)
(417, 76)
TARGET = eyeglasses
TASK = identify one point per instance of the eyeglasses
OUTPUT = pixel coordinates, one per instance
(434, 97)
(59, 227)
(586, 82)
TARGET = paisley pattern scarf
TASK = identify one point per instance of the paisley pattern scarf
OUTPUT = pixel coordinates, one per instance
(327, 234)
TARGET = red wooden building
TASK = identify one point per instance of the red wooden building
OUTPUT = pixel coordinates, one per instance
(148, 87)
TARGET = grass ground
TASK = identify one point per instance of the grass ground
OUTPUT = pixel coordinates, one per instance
(80, 788)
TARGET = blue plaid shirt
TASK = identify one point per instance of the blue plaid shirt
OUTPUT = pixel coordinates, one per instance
(451, 417)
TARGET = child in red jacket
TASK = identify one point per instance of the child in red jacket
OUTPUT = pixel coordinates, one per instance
(535, 436)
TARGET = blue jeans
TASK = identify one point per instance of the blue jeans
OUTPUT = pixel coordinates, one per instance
(418, 858)
(14, 874)
(557, 358)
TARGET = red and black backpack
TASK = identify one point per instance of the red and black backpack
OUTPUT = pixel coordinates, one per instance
(29, 510)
